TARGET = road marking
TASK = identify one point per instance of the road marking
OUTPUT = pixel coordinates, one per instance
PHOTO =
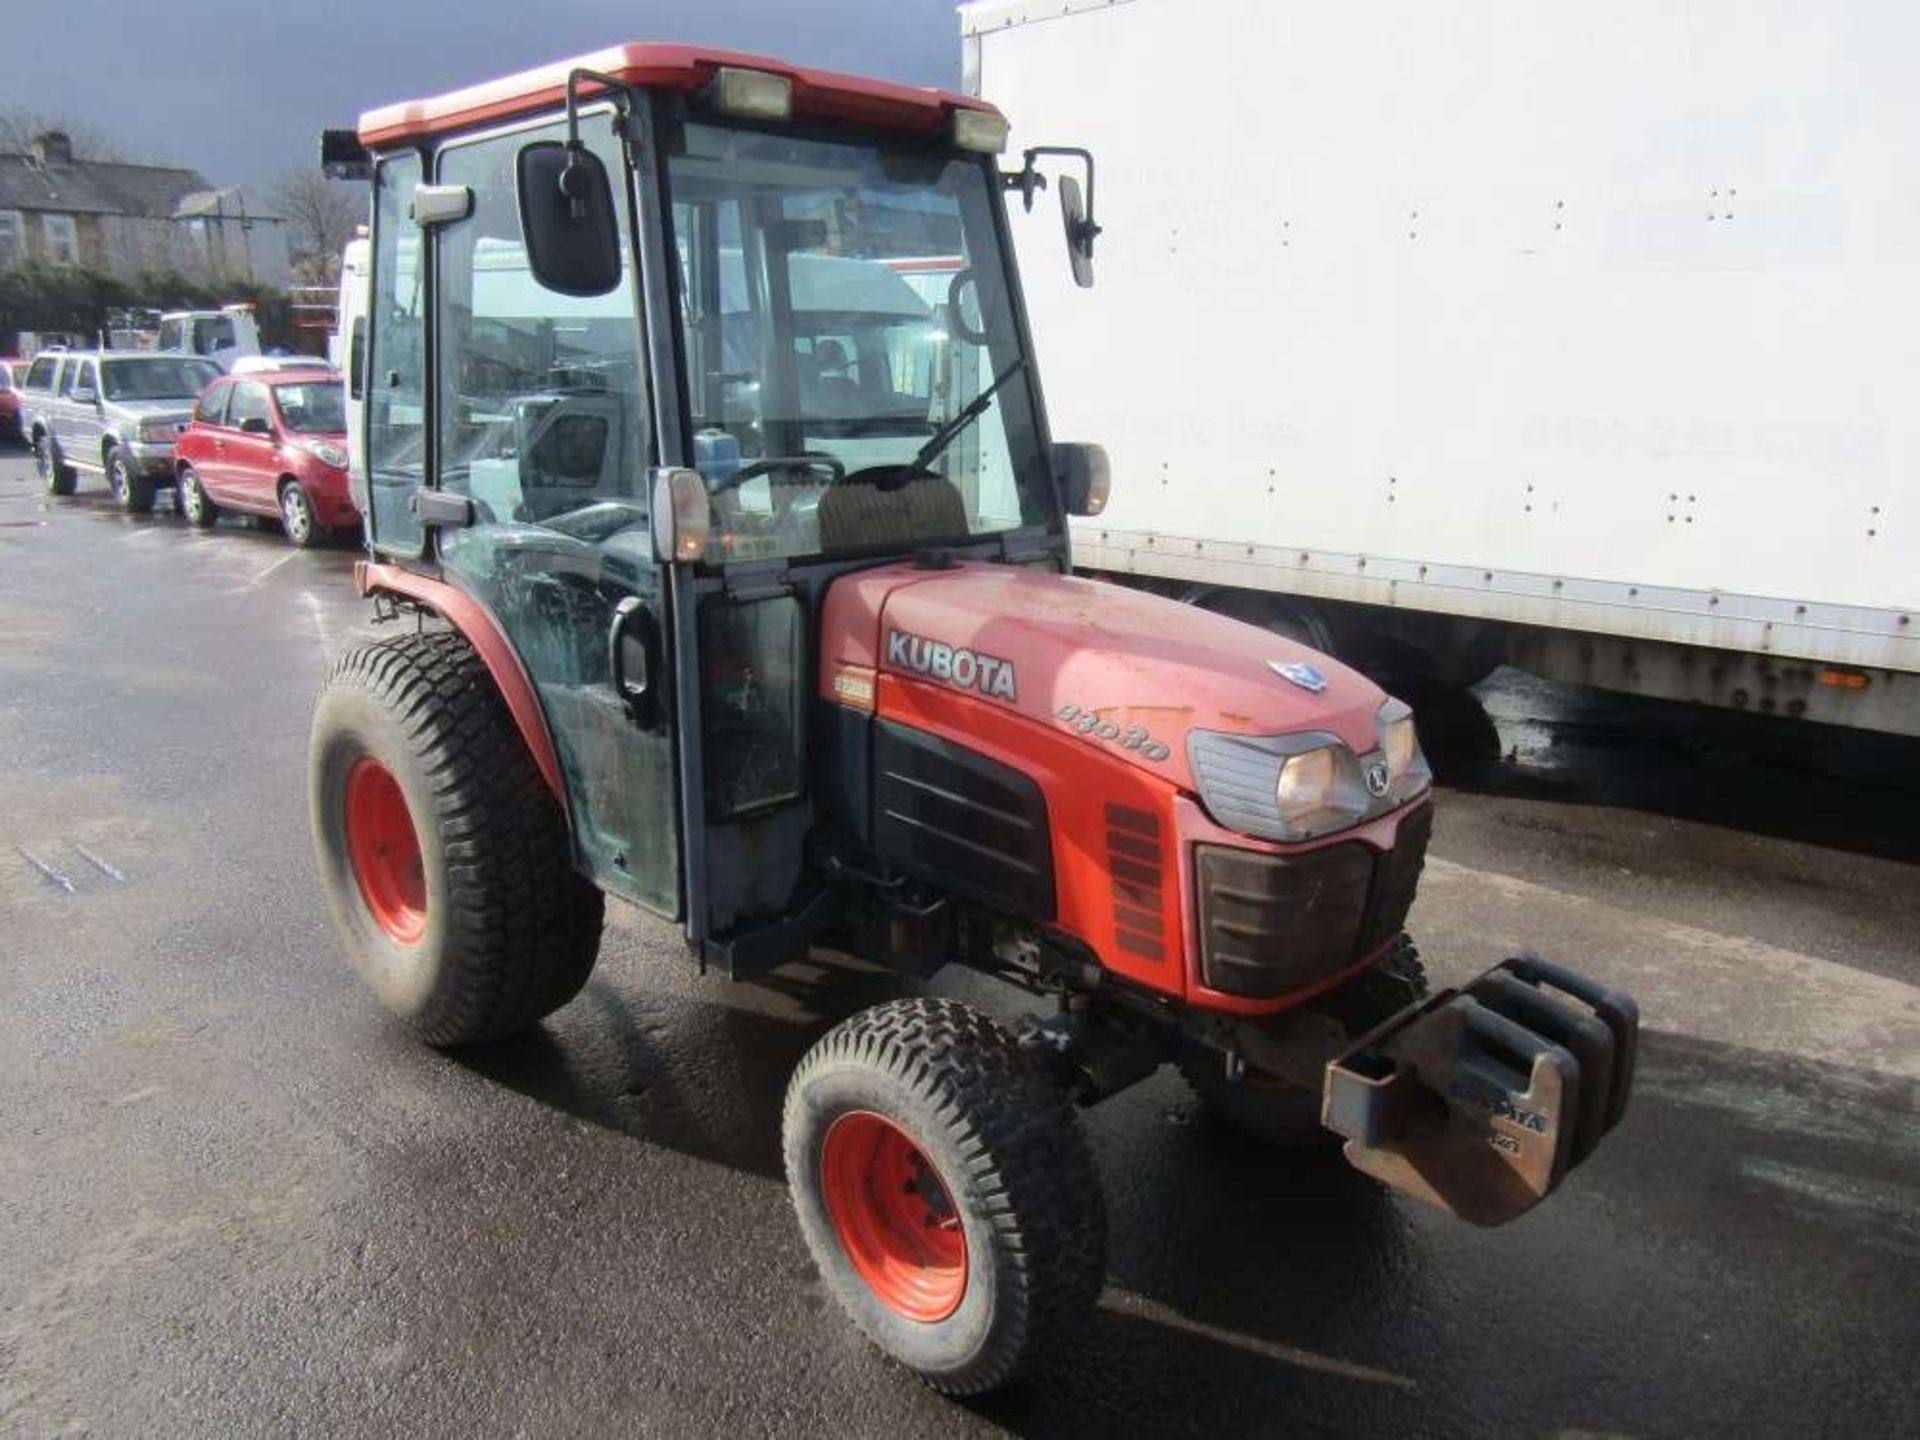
(290, 555)
(94, 860)
(1127, 1302)
(47, 872)
(1728, 989)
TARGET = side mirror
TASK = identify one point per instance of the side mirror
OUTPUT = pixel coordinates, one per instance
(1080, 232)
(567, 218)
(256, 425)
(681, 515)
(1084, 477)
(630, 652)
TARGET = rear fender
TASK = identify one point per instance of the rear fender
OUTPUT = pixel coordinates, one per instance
(474, 621)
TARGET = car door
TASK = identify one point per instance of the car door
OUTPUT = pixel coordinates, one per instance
(205, 441)
(78, 423)
(247, 444)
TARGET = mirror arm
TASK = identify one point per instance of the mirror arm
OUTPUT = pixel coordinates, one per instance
(614, 90)
(1028, 180)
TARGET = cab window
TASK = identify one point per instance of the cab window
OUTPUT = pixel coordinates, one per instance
(396, 439)
(40, 373)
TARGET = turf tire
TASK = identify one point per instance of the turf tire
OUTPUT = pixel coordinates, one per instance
(1006, 1143)
(512, 929)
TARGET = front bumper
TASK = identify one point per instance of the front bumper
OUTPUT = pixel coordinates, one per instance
(1481, 1100)
(152, 458)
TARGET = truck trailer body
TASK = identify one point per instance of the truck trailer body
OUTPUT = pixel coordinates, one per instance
(1449, 335)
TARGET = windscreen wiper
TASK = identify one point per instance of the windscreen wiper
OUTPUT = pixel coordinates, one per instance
(975, 408)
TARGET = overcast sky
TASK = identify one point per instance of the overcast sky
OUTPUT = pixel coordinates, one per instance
(239, 89)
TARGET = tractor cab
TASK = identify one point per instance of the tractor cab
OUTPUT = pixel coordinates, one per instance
(699, 425)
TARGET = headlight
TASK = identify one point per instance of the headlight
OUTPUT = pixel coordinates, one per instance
(1407, 770)
(158, 432)
(1308, 784)
(327, 454)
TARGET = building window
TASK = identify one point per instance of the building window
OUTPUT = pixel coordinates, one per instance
(13, 237)
(63, 239)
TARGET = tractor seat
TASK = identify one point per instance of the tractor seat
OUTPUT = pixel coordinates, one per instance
(923, 511)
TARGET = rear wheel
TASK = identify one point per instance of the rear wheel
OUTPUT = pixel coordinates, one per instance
(1278, 1112)
(297, 517)
(52, 466)
(445, 859)
(945, 1191)
(133, 490)
(194, 504)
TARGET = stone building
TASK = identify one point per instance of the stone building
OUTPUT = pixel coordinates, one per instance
(123, 218)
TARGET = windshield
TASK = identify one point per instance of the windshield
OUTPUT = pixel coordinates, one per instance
(313, 409)
(157, 379)
(846, 314)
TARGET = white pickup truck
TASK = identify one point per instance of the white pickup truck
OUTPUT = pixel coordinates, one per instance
(115, 413)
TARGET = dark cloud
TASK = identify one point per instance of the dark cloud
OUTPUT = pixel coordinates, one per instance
(239, 89)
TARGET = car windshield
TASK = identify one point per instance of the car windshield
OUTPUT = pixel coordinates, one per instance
(313, 408)
(845, 309)
(157, 379)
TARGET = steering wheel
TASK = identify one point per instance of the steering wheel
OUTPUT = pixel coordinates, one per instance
(811, 460)
(956, 313)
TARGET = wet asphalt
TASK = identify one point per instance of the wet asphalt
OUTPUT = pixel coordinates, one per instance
(236, 1199)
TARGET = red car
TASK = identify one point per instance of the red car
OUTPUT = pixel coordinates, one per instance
(12, 372)
(269, 444)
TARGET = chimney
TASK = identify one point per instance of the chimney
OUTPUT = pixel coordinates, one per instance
(53, 147)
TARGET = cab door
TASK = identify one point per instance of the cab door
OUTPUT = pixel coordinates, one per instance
(542, 435)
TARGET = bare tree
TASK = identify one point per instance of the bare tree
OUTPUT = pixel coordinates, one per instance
(20, 123)
(320, 215)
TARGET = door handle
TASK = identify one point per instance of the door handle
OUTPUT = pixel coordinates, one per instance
(633, 656)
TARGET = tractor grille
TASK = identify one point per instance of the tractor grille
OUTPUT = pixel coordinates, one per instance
(1273, 924)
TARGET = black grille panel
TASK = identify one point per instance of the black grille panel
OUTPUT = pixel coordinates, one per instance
(1139, 889)
(1273, 924)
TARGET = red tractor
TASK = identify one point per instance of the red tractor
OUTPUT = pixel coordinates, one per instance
(697, 426)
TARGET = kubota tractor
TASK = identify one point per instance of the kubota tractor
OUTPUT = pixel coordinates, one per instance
(700, 431)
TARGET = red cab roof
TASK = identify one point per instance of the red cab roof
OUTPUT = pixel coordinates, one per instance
(816, 93)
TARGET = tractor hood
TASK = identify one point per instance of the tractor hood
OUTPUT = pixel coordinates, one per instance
(1128, 671)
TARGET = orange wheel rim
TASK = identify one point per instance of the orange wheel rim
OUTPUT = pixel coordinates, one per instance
(384, 851)
(894, 1217)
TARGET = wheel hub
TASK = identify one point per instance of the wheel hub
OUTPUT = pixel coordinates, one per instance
(384, 850)
(894, 1217)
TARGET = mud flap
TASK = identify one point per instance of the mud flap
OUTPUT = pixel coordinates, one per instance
(1480, 1100)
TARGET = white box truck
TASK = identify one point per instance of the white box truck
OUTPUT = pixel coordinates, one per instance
(1582, 338)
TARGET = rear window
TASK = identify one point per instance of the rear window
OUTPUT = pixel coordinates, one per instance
(160, 378)
(314, 409)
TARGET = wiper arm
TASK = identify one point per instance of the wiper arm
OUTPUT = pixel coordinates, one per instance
(975, 408)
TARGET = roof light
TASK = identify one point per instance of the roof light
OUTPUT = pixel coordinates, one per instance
(753, 94)
(982, 130)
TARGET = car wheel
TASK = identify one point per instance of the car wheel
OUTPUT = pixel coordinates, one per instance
(443, 855)
(194, 504)
(945, 1190)
(132, 490)
(297, 517)
(52, 467)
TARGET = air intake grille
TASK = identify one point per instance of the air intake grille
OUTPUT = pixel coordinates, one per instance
(1138, 868)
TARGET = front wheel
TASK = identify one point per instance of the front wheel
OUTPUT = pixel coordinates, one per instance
(444, 856)
(194, 504)
(944, 1188)
(133, 490)
(297, 517)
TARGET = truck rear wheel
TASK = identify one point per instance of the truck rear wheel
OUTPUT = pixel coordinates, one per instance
(945, 1191)
(445, 858)
(1278, 1112)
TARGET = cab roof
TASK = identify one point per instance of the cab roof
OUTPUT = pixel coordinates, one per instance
(822, 94)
